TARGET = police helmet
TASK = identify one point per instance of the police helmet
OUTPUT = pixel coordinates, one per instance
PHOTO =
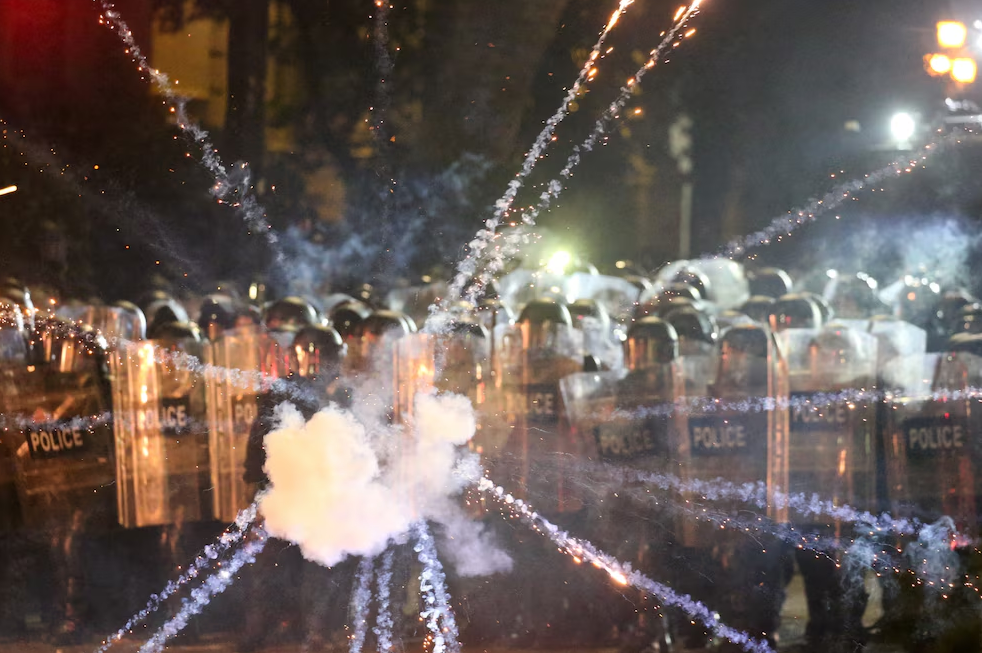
(542, 319)
(289, 314)
(651, 342)
(317, 351)
(217, 315)
(759, 308)
(174, 332)
(639, 282)
(796, 311)
(824, 308)
(347, 316)
(691, 324)
(696, 279)
(854, 296)
(137, 319)
(743, 362)
(678, 289)
(588, 309)
(466, 343)
(164, 311)
(248, 316)
(382, 323)
(769, 282)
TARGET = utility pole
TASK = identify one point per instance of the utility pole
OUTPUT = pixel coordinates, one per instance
(680, 147)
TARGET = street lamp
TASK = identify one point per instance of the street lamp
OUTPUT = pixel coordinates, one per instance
(8, 190)
(902, 127)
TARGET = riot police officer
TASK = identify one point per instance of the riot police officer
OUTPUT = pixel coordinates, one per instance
(831, 455)
(769, 282)
(739, 447)
(316, 355)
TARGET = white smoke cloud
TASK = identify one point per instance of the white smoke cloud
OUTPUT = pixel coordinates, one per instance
(344, 485)
(327, 492)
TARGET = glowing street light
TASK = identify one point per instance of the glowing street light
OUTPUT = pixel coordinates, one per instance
(938, 64)
(8, 190)
(952, 34)
(964, 70)
(902, 127)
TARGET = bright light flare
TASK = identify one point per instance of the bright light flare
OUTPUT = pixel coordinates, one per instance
(964, 70)
(938, 64)
(952, 34)
(559, 262)
(8, 190)
(902, 127)
(678, 14)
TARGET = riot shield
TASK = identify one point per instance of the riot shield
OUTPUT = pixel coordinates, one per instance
(534, 356)
(232, 409)
(932, 452)
(743, 440)
(162, 462)
(831, 434)
(59, 433)
(742, 444)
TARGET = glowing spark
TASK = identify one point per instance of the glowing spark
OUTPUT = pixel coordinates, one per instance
(581, 548)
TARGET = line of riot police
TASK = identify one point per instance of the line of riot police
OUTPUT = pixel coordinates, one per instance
(123, 451)
(122, 455)
(834, 396)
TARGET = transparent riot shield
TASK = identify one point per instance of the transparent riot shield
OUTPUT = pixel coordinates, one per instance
(13, 359)
(831, 433)
(414, 371)
(534, 358)
(162, 462)
(115, 322)
(232, 405)
(932, 453)
(59, 434)
(744, 440)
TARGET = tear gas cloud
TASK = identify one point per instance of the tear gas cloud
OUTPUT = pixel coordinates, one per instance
(430, 211)
(340, 485)
(943, 247)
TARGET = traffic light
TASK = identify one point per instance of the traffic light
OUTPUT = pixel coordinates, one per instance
(955, 60)
(938, 64)
(964, 70)
(952, 34)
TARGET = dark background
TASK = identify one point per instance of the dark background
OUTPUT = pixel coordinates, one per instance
(769, 84)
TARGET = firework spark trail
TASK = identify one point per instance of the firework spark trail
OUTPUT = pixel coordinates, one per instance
(467, 270)
(380, 133)
(361, 602)
(119, 203)
(437, 612)
(484, 238)
(383, 591)
(755, 494)
(619, 572)
(233, 188)
(206, 559)
(784, 225)
(211, 586)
